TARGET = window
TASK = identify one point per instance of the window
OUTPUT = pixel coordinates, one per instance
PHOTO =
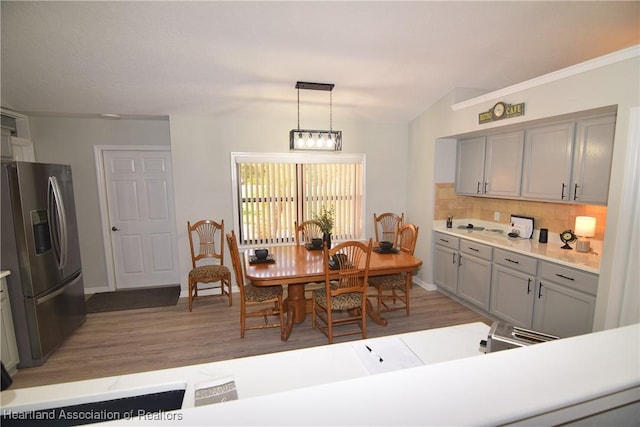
(272, 191)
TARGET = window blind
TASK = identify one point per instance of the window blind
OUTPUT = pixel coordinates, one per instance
(273, 193)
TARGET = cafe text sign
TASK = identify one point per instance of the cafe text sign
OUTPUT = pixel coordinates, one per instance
(501, 111)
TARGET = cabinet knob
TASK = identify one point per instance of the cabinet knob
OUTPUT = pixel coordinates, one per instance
(114, 228)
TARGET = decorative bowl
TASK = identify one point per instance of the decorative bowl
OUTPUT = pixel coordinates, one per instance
(261, 253)
(339, 257)
(385, 245)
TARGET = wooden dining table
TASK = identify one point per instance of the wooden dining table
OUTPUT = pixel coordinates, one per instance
(295, 266)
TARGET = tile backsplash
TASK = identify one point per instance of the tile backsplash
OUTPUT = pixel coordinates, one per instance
(554, 216)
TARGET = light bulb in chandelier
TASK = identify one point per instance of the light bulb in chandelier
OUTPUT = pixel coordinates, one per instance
(300, 140)
(330, 142)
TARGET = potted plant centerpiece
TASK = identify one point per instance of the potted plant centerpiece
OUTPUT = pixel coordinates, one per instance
(325, 220)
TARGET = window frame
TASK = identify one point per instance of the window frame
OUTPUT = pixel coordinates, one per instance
(296, 158)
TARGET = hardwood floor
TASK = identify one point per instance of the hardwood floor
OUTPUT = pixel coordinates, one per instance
(124, 342)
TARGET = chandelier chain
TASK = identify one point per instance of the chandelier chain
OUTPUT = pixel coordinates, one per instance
(330, 111)
(298, 108)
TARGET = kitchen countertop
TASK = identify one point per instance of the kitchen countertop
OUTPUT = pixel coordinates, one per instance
(544, 384)
(265, 374)
(551, 251)
(4, 273)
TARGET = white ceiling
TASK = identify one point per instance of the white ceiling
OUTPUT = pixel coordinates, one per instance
(389, 60)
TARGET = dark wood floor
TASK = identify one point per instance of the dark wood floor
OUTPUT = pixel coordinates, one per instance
(124, 342)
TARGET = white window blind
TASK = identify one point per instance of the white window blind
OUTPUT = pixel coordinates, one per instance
(274, 192)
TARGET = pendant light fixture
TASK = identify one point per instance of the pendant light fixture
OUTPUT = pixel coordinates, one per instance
(316, 140)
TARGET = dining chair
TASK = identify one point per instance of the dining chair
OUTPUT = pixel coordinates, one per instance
(396, 288)
(306, 231)
(265, 300)
(206, 240)
(342, 301)
(386, 226)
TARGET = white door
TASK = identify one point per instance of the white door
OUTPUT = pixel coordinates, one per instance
(139, 189)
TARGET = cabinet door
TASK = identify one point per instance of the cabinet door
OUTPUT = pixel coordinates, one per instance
(474, 280)
(512, 295)
(470, 166)
(445, 268)
(592, 161)
(548, 155)
(503, 164)
(8, 346)
(562, 311)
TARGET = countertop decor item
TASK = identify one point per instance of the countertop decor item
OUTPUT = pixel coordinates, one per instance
(567, 237)
(585, 227)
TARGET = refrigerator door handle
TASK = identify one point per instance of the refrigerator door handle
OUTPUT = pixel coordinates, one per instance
(60, 290)
(59, 230)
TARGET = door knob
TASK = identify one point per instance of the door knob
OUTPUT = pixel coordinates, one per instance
(114, 228)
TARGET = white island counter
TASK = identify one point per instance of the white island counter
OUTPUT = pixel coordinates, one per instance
(451, 383)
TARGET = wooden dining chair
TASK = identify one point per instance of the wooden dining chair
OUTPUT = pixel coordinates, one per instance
(306, 231)
(206, 240)
(393, 290)
(386, 226)
(342, 301)
(264, 300)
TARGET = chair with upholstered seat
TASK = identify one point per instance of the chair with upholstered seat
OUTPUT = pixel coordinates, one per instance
(206, 239)
(306, 231)
(386, 226)
(267, 300)
(393, 290)
(342, 301)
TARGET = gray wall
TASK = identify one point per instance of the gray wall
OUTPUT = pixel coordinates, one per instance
(71, 141)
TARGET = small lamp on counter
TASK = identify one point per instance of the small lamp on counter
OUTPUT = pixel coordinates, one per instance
(585, 228)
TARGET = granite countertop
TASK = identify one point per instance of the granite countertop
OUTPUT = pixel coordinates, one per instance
(4, 273)
(496, 236)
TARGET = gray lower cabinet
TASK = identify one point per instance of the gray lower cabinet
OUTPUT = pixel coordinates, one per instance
(8, 346)
(474, 273)
(445, 266)
(565, 300)
(522, 290)
(512, 295)
(513, 287)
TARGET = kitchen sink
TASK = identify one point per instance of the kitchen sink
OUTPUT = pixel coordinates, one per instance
(470, 227)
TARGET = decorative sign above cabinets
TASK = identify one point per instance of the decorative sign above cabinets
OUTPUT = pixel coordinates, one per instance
(501, 111)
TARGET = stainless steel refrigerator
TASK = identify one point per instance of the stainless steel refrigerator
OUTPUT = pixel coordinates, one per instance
(40, 247)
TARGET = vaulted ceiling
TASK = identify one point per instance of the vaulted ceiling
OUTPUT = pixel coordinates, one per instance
(389, 60)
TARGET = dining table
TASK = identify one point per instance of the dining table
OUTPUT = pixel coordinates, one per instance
(295, 266)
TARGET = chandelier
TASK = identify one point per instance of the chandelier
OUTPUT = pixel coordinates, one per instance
(306, 139)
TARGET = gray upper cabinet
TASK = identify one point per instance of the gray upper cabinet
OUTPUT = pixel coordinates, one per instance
(470, 166)
(592, 160)
(503, 164)
(548, 155)
(568, 161)
(491, 165)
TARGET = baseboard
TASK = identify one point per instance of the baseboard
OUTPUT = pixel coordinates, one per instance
(425, 285)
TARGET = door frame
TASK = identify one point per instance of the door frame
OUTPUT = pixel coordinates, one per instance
(98, 151)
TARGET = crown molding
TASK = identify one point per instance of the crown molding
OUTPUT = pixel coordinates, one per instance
(601, 61)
